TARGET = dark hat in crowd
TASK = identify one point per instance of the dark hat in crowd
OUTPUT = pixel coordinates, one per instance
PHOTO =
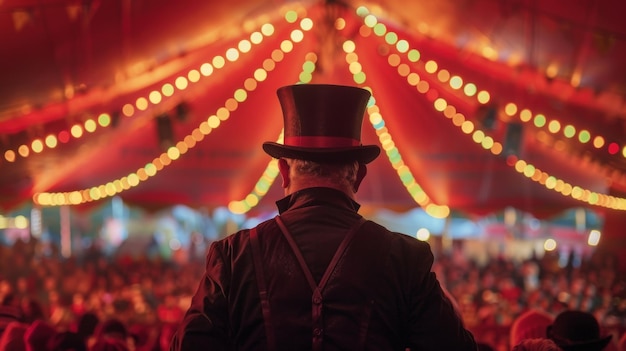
(323, 124)
(577, 330)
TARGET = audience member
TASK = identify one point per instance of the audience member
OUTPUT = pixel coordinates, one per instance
(7, 316)
(67, 341)
(109, 344)
(87, 324)
(32, 310)
(529, 325)
(111, 329)
(536, 344)
(577, 331)
(13, 337)
(145, 338)
(38, 335)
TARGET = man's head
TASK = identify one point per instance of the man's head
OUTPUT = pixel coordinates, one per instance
(322, 123)
(322, 137)
(299, 174)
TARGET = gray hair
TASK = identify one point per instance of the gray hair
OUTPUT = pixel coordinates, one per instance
(343, 174)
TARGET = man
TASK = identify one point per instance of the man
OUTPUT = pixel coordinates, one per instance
(318, 275)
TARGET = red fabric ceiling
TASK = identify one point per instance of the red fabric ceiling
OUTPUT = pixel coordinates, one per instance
(65, 61)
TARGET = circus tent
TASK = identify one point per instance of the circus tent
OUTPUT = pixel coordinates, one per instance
(479, 105)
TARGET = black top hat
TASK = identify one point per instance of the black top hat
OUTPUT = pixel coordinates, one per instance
(577, 330)
(323, 124)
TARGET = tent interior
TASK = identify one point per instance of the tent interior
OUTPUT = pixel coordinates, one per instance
(478, 105)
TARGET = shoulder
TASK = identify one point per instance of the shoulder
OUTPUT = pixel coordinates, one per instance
(399, 241)
(238, 241)
(414, 256)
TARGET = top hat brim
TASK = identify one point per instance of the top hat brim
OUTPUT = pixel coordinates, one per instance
(598, 344)
(363, 154)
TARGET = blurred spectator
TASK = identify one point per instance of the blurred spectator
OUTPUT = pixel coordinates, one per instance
(529, 325)
(145, 337)
(577, 331)
(170, 311)
(12, 338)
(9, 313)
(538, 344)
(66, 341)
(87, 324)
(112, 328)
(32, 310)
(38, 335)
(109, 344)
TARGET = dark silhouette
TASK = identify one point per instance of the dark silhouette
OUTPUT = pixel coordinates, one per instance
(319, 275)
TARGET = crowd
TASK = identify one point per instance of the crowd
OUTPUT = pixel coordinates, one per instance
(492, 296)
(141, 300)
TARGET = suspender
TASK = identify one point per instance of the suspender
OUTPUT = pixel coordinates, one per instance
(260, 279)
(316, 299)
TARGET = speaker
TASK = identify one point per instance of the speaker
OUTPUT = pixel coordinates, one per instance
(182, 112)
(115, 119)
(513, 139)
(487, 116)
(165, 132)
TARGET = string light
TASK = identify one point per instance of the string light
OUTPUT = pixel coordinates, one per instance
(386, 140)
(376, 119)
(165, 159)
(158, 96)
(404, 173)
(521, 166)
(483, 97)
(264, 182)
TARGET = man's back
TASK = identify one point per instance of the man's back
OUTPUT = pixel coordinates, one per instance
(320, 277)
(380, 295)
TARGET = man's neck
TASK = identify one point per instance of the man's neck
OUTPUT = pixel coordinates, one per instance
(297, 186)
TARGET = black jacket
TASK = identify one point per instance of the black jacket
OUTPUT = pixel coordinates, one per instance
(381, 295)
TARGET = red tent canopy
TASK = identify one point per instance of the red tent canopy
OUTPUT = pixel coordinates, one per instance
(205, 73)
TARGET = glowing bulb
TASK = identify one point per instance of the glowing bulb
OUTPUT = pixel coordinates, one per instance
(155, 97)
(549, 245)
(483, 97)
(594, 238)
(181, 83)
(141, 103)
(431, 66)
(422, 234)
(193, 76)
(37, 145)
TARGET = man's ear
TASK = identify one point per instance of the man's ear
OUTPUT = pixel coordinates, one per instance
(360, 174)
(283, 167)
